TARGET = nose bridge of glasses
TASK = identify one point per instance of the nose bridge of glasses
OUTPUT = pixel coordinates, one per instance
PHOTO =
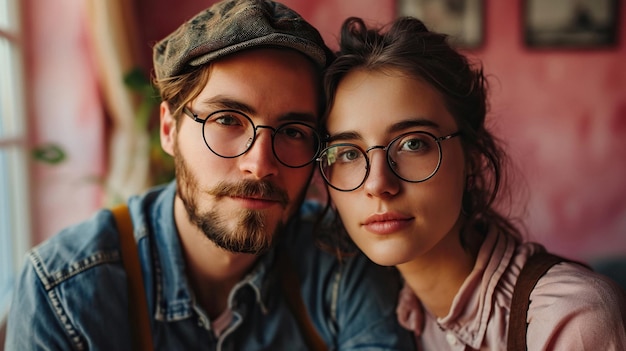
(260, 126)
(370, 157)
(375, 147)
(382, 147)
(251, 140)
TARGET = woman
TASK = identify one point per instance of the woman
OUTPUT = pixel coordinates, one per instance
(414, 175)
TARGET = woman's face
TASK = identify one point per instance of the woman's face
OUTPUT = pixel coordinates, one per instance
(391, 220)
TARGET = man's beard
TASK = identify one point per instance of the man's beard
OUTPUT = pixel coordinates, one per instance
(245, 231)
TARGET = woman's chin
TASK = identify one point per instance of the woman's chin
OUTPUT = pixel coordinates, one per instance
(387, 256)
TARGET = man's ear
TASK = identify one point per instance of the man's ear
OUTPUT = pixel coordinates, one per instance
(167, 128)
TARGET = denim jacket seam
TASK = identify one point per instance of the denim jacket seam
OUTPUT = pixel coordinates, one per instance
(167, 311)
(50, 280)
(73, 334)
(57, 307)
(335, 296)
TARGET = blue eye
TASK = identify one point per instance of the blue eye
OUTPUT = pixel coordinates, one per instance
(412, 144)
(349, 155)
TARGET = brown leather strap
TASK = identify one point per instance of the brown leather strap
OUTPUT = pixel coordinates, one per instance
(137, 305)
(536, 266)
(291, 290)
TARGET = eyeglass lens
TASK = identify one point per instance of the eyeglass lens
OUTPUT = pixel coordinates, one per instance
(413, 157)
(230, 134)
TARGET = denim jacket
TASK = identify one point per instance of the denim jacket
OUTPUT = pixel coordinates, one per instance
(71, 294)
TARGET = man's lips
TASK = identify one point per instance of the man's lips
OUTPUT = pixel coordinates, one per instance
(386, 223)
(257, 203)
(260, 194)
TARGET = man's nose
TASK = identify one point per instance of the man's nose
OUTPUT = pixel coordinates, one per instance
(259, 160)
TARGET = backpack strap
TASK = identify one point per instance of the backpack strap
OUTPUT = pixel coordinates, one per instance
(137, 305)
(291, 290)
(536, 266)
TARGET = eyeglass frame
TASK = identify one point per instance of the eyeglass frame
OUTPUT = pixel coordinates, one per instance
(365, 152)
(251, 142)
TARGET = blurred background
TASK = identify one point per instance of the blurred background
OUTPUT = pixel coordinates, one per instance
(77, 120)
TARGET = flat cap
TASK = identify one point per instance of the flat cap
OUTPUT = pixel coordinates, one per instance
(230, 26)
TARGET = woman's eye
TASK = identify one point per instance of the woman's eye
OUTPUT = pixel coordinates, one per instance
(413, 144)
(348, 155)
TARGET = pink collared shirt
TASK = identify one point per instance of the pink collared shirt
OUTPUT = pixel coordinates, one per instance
(572, 308)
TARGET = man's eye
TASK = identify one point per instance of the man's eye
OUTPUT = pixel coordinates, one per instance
(228, 120)
(292, 132)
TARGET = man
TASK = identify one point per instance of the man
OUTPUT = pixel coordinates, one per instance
(240, 85)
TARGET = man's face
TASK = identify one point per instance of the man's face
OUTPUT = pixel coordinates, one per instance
(241, 203)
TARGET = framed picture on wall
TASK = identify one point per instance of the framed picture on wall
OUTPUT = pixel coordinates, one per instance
(462, 20)
(573, 24)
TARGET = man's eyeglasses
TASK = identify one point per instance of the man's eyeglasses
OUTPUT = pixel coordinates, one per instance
(413, 157)
(230, 134)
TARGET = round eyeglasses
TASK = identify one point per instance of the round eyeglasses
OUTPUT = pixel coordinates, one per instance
(413, 157)
(230, 134)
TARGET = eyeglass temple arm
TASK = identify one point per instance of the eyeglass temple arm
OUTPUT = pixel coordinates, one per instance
(449, 136)
(192, 115)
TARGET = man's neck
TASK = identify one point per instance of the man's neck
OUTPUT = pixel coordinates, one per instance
(212, 272)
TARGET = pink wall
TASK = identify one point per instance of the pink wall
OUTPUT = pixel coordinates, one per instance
(63, 105)
(561, 113)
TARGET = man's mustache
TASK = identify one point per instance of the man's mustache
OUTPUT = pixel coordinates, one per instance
(250, 188)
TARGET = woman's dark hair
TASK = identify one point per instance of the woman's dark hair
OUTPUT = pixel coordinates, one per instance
(409, 47)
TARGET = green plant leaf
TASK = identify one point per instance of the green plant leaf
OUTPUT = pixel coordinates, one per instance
(49, 153)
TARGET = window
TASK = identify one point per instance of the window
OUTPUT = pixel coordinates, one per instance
(14, 209)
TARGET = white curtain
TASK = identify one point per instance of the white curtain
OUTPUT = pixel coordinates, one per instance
(115, 41)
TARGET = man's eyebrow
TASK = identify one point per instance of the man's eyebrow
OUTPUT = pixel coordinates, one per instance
(300, 117)
(221, 102)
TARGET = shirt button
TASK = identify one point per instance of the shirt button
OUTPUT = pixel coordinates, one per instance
(451, 339)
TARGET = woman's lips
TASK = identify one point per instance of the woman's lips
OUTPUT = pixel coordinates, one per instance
(386, 223)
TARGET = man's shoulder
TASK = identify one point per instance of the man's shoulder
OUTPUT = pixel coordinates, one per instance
(92, 242)
(69, 284)
(76, 249)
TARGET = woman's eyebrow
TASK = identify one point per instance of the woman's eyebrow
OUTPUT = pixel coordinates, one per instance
(343, 136)
(412, 123)
(392, 129)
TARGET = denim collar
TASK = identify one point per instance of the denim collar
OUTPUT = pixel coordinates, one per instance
(173, 295)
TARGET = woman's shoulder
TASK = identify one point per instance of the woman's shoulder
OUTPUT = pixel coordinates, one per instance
(570, 280)
(573, 305)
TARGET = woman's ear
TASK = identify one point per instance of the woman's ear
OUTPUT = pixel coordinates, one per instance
(167, 128)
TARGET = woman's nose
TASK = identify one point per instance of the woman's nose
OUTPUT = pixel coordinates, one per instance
(381, 181)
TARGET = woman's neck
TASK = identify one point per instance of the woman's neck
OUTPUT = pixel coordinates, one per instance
(437, 276)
